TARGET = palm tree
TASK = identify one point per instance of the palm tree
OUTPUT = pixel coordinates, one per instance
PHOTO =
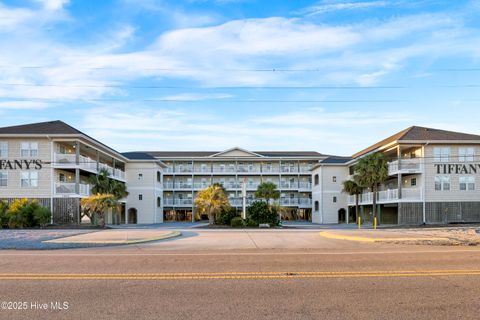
(372, 170)
(99, 204)
(353, 188)
(212, 200)
(100, 182)
(267, 191)
(103, 184)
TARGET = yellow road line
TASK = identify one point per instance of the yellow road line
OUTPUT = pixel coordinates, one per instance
(237, 275)
(330, 235)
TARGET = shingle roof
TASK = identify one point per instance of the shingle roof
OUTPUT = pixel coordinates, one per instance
(49, 127)
(421, 134)
(56, 127)
(336, 159)
(138, 156)
(180, 154)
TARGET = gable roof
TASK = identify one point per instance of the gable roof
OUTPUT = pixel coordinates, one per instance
(421, 134)
(49, 127)
(200, 154)
(236, 149)
(56, 127)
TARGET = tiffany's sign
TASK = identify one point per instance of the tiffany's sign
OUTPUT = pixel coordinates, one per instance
(34, 164)
(458, 168)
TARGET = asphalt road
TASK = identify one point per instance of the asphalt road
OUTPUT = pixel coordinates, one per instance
(245, 275)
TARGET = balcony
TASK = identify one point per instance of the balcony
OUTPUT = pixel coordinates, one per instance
(169, 202)
(288, 186)
(406, 166)
(305, 186)
(388, 196)
(68, 188)
(64, 160)
(289, 169)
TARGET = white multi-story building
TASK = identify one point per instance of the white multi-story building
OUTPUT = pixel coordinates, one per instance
(52, 163)
(189, 172)
(433, 177)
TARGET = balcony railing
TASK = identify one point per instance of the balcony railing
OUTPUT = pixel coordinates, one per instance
(413, 165)
(64, 160)
(391, 195)
(237, 202)
(68, 188)
(239, 170)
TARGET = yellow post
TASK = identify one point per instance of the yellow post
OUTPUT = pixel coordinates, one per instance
(359, 222)
(375, 223)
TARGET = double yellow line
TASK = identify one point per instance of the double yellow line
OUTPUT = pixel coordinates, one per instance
(235, 275)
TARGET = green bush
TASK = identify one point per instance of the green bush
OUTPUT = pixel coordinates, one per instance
(226, 216)
(261, 212)
(251, 223)
(236, 222)
(24, 213)
(42, 216)
(3, 214)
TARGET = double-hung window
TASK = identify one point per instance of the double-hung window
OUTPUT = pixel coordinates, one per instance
(467, 183)
(29, 179)
(442, 183)
(441, 154)
(3, 149)
(3, 178)
(29, 149)
(466, 154)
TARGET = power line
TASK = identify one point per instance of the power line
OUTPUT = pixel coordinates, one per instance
(197, 87)
(198, 100)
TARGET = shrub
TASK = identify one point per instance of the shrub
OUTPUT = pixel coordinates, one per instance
(226, 216)
(3, 214)
(237, 222)
(24, 213)
(251, 223)
(42, 216)
(261, 212)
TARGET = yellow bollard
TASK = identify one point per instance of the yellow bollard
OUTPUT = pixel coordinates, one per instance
(359, 222)
(375, 223)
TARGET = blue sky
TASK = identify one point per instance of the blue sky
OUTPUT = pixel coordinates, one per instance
(330, 76)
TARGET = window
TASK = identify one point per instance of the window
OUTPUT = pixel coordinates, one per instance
(442, 183)
(29, 149)
(3, 179)
(140, 176)
(413, 182)
(3, 149)
(317, 206)
(441, 154)
(467, 183)
(466, 154)
(140, 197)
(159, 176)
(334, 179)
(159, 202)
(29, 179)
(334, 199)
(61, 177)
(316, 179)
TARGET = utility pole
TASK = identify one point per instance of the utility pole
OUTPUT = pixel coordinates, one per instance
(244, 199)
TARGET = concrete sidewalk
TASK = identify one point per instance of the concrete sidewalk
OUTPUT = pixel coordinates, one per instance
(434, 236)
(118, 236)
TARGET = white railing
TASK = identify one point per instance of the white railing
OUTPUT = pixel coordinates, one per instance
(177, 202)
(201, 185)
(289, 169)
(68, 188)
(305, 185)
(227, 169)
(391, 195)
(305, 169)
(413, 165)
(286, 185)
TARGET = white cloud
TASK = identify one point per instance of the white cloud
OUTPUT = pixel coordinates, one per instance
(329, 6)
(53, 4)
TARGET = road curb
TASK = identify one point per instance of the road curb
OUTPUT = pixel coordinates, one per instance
(169, 235)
